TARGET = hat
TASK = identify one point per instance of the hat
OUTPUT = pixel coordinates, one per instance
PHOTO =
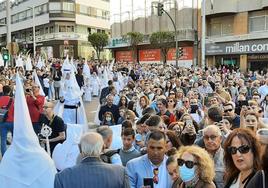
(262, 135)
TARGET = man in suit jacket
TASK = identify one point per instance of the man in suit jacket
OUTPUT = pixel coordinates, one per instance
(152, 165)
(92, 172)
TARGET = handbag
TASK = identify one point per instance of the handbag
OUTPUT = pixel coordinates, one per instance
(4, 111)
(263, 178)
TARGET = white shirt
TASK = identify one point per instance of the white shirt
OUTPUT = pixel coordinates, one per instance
(46, 82)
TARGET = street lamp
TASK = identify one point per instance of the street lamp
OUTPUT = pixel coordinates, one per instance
(34, 43)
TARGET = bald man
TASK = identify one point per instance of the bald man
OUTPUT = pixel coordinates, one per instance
(92, 172)
(55, 123)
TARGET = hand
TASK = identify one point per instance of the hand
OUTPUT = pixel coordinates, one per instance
(243, 111)
(43, 141)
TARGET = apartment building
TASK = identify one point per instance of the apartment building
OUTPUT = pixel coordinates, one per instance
(237, 33)
(141, 16)
(61, 26)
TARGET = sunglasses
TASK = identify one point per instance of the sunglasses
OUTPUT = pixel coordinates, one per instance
(228, 110)
(185, 101)
(242, 149)
(188, 164)
(170, 101)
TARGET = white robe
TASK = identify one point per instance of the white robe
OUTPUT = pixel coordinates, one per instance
(65, 154)
(95, 82)
(87, 94)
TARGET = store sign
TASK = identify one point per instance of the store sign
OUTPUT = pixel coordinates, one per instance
(187, 54)
(150, 55)
(241, 47)
(125, 56)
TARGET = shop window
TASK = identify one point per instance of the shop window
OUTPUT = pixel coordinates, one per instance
(257, 23)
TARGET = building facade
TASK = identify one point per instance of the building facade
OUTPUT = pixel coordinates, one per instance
(237, 33)
(141, 16)
(61, 26)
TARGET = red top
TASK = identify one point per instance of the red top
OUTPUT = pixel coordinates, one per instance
(3, 103)
(35, 107)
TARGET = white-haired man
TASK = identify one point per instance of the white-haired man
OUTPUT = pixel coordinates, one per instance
(213, 138)
(92, 172)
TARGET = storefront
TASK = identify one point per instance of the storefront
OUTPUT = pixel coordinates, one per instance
(155, 56)
(244, 54)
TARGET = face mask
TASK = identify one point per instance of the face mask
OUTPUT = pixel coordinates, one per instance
(186, 174)
(108, 119)
(188, 139)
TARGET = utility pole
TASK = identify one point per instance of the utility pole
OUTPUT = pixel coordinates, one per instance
(8, 20)
(160, 11)
(34, 42)
(203, 42)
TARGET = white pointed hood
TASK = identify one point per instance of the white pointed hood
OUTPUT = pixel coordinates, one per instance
(37, 82)
(29, 66)
(40, 63)
(19, 61)
(86, 70)
(25, 164)
(1, 60)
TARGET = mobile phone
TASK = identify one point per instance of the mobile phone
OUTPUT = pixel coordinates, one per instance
(210, 94)
(148, 182)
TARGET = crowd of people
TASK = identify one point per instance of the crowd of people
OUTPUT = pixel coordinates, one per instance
(156, 125)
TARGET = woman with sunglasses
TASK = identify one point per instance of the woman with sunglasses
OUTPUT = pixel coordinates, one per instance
(196, 168)
(241, 158)
(171, 107)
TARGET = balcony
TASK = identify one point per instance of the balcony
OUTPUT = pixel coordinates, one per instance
(221, 7)
(232, 38)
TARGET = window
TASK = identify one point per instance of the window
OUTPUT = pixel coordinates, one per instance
(227, 28)
(68, 7)
(83, 9)
(89, 30)
(215, 29)
(46, 30)
(51, 29)
(257, 23)
(29, 13)
(3, 21)
(22, 15)
(70, 28)
(62, 28)
(54, 6)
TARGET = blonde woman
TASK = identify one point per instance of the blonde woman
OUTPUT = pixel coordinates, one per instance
(196, 168)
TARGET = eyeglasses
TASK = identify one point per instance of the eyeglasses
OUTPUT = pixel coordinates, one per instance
(242, 149)
(212, 137)
(185, 101)
(46, 107)
(170, 101)
(188, 164)
(228, 110)
(155, 178)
